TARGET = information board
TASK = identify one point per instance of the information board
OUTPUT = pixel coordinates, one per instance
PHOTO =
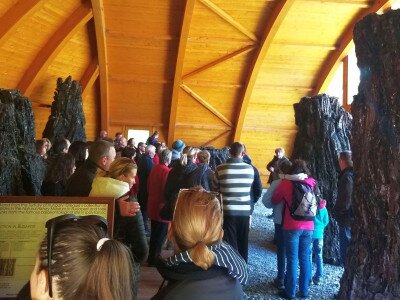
(22, 228)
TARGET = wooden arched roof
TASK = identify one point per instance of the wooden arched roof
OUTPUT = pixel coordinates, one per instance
(206, 71)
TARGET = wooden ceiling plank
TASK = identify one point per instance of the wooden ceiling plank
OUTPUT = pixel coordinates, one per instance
(359, 3)
(187, 18)
(273, 23)
(207, 105)
(15, 15)
(89, 77)
(216, 138)
(305, 45)
(328, 68)
(203, 126)
(100, 29)
(52, 47)
(226, 17)
(219, 61)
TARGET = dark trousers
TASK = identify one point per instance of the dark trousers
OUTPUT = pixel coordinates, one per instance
(236, 233)
(157, 238)
(344, 240)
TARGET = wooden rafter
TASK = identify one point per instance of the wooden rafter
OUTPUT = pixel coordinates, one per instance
(206, 104)
(221, 13)
(216, 138)
(89, 77)
(53, 46)
(100, 28)
(187, 18)
(219, 61)
(15, 15)
(273, 23)
(329, 66)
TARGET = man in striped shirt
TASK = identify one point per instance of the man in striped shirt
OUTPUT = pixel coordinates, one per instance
(233, 180)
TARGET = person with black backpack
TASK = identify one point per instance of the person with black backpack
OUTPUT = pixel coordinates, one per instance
(300, 207)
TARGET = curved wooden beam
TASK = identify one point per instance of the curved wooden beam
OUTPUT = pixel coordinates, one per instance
(271, 28)
(53, 46)
(100, 28)
(345, 44)
(89, 77)
(187, 18)
(15, 15)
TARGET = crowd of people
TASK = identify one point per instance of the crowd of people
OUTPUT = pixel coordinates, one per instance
(173, 194)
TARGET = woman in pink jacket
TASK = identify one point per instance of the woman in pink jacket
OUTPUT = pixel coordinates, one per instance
(297, 235)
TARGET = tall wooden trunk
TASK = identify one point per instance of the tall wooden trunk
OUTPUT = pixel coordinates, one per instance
(373, 261)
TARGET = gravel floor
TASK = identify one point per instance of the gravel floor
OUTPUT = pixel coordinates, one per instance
(262, 262)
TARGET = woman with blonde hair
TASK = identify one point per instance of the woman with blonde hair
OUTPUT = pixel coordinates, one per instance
(203, 267)
(117, 182)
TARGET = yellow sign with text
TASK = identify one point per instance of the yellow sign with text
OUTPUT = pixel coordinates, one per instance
(22, 228)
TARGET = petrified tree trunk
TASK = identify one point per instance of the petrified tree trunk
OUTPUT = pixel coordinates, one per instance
(323, 131)
(373, 262)
(21, 169)
(67, 119)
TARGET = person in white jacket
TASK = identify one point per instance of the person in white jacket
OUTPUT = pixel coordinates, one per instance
(115, 183)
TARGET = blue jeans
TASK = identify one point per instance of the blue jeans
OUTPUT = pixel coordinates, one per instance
(298, 247)
(317, 246)
(280, 251)
(344, 239)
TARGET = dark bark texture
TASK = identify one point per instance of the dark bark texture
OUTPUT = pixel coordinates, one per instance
(323, 131)
(373, 260)
(67, 119)
(21, 169)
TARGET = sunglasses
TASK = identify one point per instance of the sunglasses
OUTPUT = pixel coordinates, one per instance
(212, 196)
(51, 226)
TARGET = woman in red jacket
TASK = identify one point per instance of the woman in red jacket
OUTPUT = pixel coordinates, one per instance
(156, 200)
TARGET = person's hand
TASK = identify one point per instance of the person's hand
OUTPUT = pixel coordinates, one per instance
(127, 209)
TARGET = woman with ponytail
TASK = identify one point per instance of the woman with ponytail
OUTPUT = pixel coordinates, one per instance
(203, 267)
(117, 182)
(76, 260)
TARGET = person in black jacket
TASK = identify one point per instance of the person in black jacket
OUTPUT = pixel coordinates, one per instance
(178, 179)
(145, 165)
(101, 155)
(202, 175)
(342, 209)
(203, 267)
(273, 165)
(256, 186)
(61, 168)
